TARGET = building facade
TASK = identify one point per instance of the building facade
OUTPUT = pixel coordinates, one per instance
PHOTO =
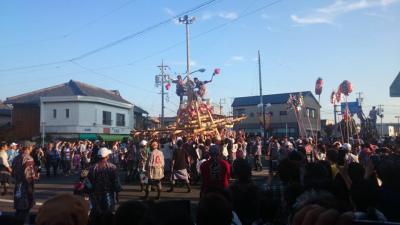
(141, 118)
(72, 110)
(280, 119)
(5, 116)
(78, 116)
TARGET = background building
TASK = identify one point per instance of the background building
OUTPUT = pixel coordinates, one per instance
(388, 129)
(141, 118)
(281, 121)
(72, 110)
(5, 116)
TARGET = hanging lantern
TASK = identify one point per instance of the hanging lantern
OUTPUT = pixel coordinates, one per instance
(318, 86)
(168, 86)
(217, 71)
(346, 87)
(333, 97)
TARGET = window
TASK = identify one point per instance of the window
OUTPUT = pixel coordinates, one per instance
(54, 113)
(120, 119)
(106, 118)
(251, 114)
(283, 113)
(66, 113)
(312, 113)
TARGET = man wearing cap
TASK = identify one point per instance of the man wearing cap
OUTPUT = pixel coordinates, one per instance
(23, 171)
(105, 184)
(12, 152)
(351, 156)
(215, 172)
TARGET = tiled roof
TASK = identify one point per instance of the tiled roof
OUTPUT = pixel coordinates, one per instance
(271, 99)
(71, 88)
(137, 109)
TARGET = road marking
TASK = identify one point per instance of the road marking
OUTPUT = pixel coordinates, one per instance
(12, 201)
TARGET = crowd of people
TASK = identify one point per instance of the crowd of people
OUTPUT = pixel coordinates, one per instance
(324, 181)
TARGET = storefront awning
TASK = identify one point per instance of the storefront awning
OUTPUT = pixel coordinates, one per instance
(113, 137)
(87, 136)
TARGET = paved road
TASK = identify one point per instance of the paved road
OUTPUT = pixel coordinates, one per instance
(47, 188)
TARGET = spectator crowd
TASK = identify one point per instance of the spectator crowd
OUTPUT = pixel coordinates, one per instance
(309, 181)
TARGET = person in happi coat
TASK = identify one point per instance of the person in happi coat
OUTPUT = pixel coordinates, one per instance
(104, 185)
(23, 171)
(154, 169)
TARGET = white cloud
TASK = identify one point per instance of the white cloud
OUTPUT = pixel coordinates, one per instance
(237, 58)
(231, 15)
(310, 19)
(234, 60)
(206, 16)
(327, 14)
(183, 63)
(169, 12)
(265, 16)
(228, 15)
(193, 63)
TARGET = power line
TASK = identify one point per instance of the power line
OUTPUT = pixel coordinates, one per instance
(111, 78)
(78, 28)
(193, 37)
(130, 36)
(114, 43)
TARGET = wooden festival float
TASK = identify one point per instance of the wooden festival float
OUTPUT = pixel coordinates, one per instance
(195, 116)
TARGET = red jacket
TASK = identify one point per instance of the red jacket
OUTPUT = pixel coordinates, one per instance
(215, 173)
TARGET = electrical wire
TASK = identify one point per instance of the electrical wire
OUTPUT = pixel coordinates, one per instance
(116, 42)
(111, 78)
(78, 28)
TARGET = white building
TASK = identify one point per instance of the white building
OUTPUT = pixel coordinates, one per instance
(74, 110)
(85, 115)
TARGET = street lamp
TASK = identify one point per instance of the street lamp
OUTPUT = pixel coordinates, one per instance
(202, 70)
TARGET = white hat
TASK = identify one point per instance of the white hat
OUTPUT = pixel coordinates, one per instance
(104, 152)
(143, 143)
(337, 143)
(346, 146)
(13, 144)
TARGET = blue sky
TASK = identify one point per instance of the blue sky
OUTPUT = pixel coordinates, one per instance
(299, 41)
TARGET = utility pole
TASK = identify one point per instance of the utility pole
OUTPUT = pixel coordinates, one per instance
(161, 79)
(263, 111)
(187, 20)
(221, 101)
(380, 114)
(398, 125)
(360, 99)
(335, 113)
(261, 94)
